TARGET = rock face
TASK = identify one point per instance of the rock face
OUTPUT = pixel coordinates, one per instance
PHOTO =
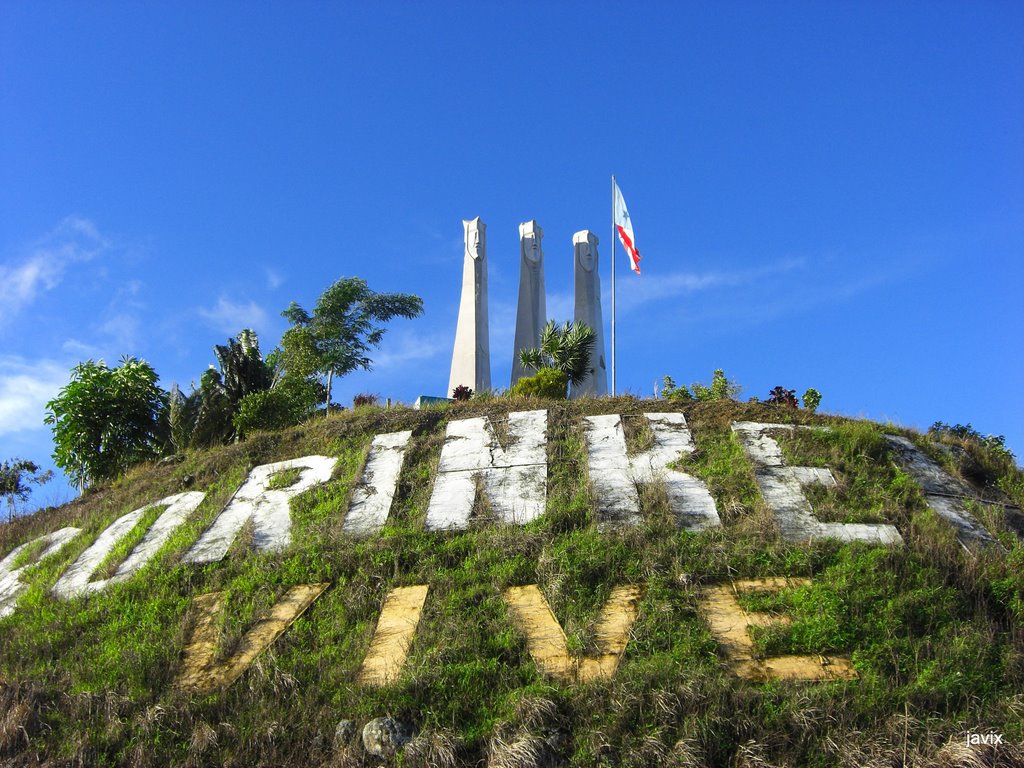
(471, 358)
(532, 312)
(384, 736)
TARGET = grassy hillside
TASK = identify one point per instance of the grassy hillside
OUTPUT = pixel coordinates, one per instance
(935, 633)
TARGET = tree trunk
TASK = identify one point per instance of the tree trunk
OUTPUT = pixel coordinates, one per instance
(330, 375)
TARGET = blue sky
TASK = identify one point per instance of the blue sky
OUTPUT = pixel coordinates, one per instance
(825, 194)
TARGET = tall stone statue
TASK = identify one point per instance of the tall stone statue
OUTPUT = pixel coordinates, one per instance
(532, 313)
(588, 310)
(471, 359)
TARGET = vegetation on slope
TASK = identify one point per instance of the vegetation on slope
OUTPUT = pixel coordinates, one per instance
(935, 632)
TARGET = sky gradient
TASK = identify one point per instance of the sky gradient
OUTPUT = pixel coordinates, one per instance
(826, 195)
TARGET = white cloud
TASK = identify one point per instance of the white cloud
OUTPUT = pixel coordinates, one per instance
(122, 328)
(81, 350)
(640, 292)
(274, 278)
(25, 388)
(399, 349)
(230, 318)
(72, 241)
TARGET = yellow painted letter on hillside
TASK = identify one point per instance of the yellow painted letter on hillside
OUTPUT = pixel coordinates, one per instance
(393, 635)
(730, 624)
(201, 673)
(546, 639)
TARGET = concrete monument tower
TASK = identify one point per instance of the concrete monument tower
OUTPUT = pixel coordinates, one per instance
(532, 313)
(588, 311)
(471, 359)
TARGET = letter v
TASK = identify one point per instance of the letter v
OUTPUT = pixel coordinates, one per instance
(201, 673)
(546, 640)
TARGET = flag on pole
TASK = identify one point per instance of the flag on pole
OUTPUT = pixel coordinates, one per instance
(625, 229)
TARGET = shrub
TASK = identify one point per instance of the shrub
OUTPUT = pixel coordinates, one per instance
(567, 349)
(547, 382)
(364, 398)
(283, 406)
(670, 391)
(721, 388)
(783, 396)
(812, 399)
(461, 393)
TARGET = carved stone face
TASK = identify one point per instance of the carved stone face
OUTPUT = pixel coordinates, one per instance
(474, 241)
(586, 257)
(531, 248)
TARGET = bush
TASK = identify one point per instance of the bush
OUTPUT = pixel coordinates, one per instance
(721, 388)
(783, 396)
(670, 391)
(812, 399)
(364, 398)
(461, 393)
(283, 406)
(547, 382)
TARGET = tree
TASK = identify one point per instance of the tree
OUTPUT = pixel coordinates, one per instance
(344, 327)
(567, 349)
(16, 475)
(107, 419)
(206, 415)
(242, 368)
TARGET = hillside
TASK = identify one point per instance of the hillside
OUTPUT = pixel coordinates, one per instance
(901, 595)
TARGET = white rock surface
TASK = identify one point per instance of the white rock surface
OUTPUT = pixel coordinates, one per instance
(371, 500)
(514, 479)
(11, 586)
(76, 579)
(782, 488)
(269, 510)
(945, 494)
(615, 476)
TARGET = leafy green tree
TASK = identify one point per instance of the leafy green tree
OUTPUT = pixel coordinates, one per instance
(16, 477)
(206, 415)
(106, 420)
(345, 325)
(242, 368)
(567, 349)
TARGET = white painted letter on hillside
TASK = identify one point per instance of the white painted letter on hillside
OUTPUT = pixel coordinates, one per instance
(11, 586)
(514, 479)
(782, 487)
(615, 475)
(371, 500)
(75, 580)
(269, 510)
(945, 495)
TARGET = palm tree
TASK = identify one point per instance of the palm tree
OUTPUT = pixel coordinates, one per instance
(567, 349)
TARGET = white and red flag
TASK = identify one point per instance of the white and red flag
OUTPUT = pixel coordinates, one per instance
(625, 229)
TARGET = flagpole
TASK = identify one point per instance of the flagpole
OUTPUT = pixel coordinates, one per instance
(613, 285)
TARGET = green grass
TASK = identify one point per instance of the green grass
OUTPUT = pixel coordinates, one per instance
(933, 631)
